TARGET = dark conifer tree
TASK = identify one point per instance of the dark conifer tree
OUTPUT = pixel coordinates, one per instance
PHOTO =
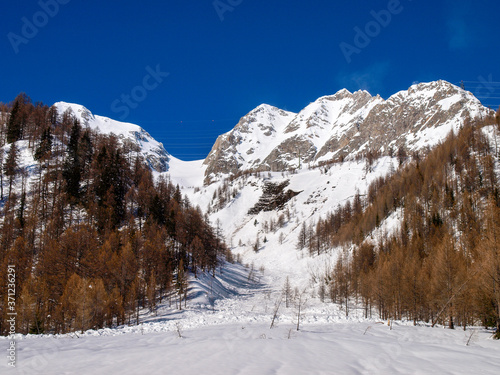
(11, 165)
(18, 117)
(72, 170)
(21, 211)
(45, 147)
(14, 124)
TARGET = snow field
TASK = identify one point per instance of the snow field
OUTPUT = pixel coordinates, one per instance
(340, 348)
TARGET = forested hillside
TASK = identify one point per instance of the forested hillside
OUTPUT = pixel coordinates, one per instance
(92, 236)
(442, 264)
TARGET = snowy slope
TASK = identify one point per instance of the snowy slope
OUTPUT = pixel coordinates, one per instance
(186, 173)
(319, 190)
(153, 151)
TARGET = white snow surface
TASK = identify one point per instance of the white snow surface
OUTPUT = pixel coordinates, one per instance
(337, 348)
(186, 173)
(321, 191)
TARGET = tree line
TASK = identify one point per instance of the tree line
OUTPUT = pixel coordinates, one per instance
(442, 264)
(94, 237)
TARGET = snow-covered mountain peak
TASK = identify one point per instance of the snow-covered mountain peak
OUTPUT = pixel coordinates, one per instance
(264, 117)
(434, 92)
(264, 108)
(339, 95)
(342, 125)
(432, 86)
(79, 111)
(251, 140)
(141, 141)
(344, 94)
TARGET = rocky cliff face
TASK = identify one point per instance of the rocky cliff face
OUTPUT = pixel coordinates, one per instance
(341, 125)
(251, 140)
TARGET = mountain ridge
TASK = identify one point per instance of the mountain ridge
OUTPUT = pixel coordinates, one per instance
(341, 125)
(333, 127)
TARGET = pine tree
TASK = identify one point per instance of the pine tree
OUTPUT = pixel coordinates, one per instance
(72, 171)
(75, 304)
(45, 147)
(14, 123)
(27, 312)
(111, 183)
(401, 155)
(21, 211)
(86, 153)
(447, 276)
(11, 165)
(181, 283)
(18, 117)
(98, 303)
(256, 245)
(177, 195)
(115, 307)
(198, 254)
(302, 240)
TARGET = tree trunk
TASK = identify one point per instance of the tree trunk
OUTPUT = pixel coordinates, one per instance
(451, 324)
(497, 334)
(10, 186)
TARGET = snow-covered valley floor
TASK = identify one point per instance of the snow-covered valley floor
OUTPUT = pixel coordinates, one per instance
(225, 329)
(337, 348)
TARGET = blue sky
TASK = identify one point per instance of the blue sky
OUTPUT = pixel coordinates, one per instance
(188, 70)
